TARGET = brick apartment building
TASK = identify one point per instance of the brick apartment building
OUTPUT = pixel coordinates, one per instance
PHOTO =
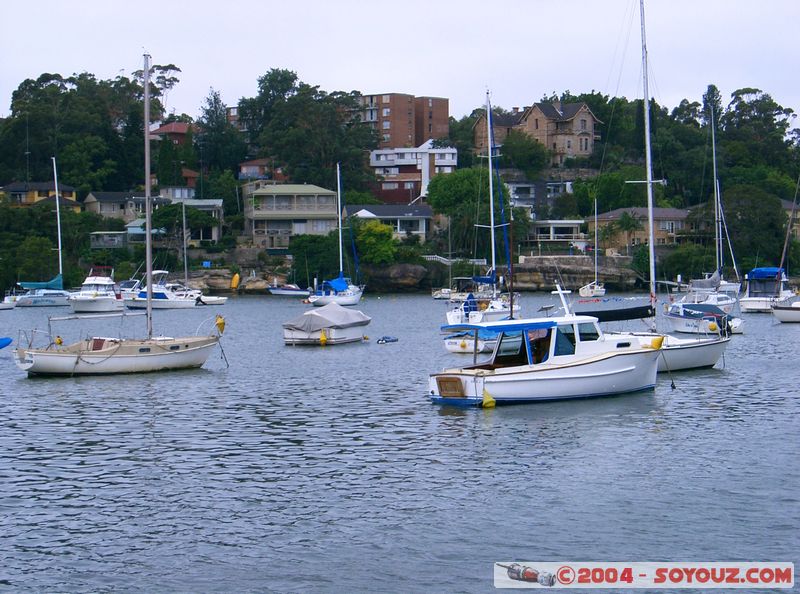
(404, 121)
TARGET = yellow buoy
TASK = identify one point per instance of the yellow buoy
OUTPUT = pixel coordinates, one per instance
(488, 401)
(323, 338)
(657, 342)
(712, 326)
(220, 323)
(59, 341)
(463, 344)
(235, 281)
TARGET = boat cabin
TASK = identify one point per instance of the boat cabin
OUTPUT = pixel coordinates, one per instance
(766, 282)
(535, 341)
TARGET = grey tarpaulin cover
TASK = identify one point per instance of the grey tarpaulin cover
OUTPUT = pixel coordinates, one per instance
(332, 315)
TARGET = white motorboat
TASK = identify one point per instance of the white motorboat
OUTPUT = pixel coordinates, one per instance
(764, 287)
(171, 295)
(288, 290)
(543, 359)
(701, 318)
(328, 325)
(341, 289)
(97, 294)
(104, 355)
(788, 310)
(40, 296)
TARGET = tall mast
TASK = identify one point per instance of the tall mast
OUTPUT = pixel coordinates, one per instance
(148, 227)
(185, 247)
(595, 241)
(339, 217)
(717, 208)
(489, 137)
(648, 167)
(58, 217)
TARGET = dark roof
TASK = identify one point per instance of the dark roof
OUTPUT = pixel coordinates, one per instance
(392, 210)
(640, 212)
(36, 186)
(64, 202)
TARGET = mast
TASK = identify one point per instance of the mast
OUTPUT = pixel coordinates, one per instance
(58, 219)
(648, 167)
(147, 199)
(595, 242)
(717, 205)
(491, 188)
(185, 255)
(339, 217)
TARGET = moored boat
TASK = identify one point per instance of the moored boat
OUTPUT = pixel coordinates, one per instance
(764, 287)
(328, 325)
(541, 359)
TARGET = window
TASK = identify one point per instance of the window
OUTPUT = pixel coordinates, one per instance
(386, 124)
(390, 185)
(569, 144)
(408, 185)
(386, 98)
(588, 332)
(583, 124)
(386, 138)
(536, 123)
(386, 111)
(565, 341)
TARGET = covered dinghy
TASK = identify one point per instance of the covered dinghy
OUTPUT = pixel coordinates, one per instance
(330, 324)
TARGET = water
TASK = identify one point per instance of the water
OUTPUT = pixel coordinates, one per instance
(301, 469)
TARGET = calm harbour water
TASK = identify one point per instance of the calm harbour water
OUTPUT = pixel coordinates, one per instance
(327, 470)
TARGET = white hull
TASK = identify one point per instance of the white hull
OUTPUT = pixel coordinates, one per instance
(787, 313)
(686, 325)
(212, 300)
(592, 290)
(7, 304)
(332, 336)
(724, 301)
(140, 303)
(95, 304)
(43, 300)
(757, 304)
(97, 356)
(603, 375)
(287, 292)
(351, 297)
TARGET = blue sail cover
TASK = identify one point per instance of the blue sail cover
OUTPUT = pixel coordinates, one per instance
(766, 273)
(337, 285)
(490, 279)
(54, 283)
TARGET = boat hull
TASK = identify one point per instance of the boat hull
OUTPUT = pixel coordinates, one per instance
(604, 375)
(46, 300)
(787, 313)
(99, 356)
(332, 336)
(757, 304)
(81, 304)
(680, 354)
(140, 303)
(347, 298)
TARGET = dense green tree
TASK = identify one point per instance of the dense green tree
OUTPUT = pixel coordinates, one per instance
(525, 153)
(628, 224)
(375, 242)
(756, 225)
(223, 146)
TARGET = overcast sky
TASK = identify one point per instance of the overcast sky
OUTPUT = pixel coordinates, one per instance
(520, 50)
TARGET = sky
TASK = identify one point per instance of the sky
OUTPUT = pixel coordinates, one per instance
(520, 50)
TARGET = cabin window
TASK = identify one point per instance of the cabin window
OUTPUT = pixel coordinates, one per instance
(539, 341)
(588, 332)
(511, 351)
(565, 341)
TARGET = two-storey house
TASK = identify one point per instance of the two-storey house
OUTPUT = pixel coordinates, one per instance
(275, 213)
(30, 193)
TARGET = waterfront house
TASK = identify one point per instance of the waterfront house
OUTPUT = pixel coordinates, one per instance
(406, 220)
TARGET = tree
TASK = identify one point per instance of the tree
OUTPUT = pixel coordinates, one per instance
(222, 144)
(756, 225)
(525, 153)
(375, 242)
(628, 224)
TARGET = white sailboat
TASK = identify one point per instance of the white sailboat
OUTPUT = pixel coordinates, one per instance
(341, 289)
(676, 353)
(50, 293)
(594, 288)
(103, 355)
(498, 307)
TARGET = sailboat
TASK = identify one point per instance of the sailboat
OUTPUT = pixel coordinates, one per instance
(497, 307)
(49, 293)
(714, 289)
(676, 353)
(102, 355)
(339, 290)
(593, 289)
